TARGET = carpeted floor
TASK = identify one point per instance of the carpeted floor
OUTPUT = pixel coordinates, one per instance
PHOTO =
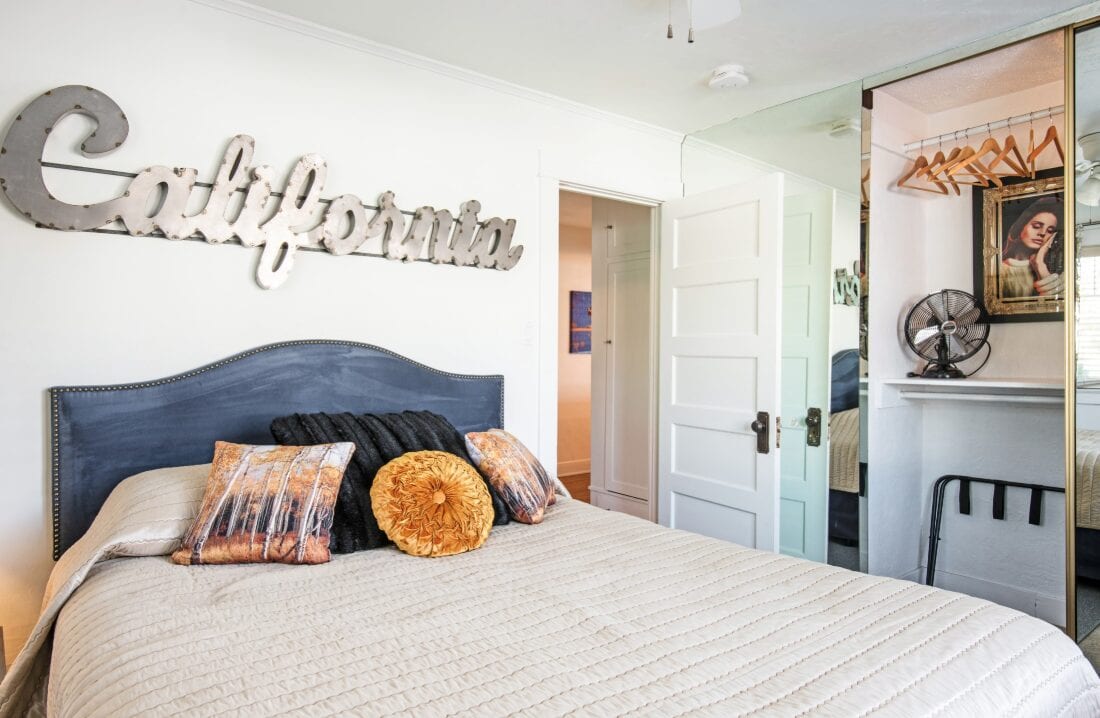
(844, 556)
(1091, 648)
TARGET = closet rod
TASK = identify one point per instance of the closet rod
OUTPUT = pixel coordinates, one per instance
(989, 126)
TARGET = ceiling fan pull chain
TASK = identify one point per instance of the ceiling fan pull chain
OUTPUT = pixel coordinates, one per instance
(691, 24)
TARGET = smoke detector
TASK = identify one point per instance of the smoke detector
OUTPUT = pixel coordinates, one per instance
(727, 76)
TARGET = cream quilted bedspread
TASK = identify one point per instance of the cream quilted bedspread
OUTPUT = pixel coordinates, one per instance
(588, 613)
(844, 451)
(1088, 479)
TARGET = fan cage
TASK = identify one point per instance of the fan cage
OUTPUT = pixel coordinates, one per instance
(951, 308)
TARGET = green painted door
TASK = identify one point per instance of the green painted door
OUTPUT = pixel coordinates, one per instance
(807, 294)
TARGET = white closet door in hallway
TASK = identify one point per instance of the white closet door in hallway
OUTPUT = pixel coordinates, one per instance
(622, 362)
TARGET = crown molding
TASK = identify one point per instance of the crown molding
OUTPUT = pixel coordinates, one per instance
(353, 42)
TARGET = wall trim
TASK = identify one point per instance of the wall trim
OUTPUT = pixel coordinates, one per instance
(1049, 607)
(574, 467)
(354, 42)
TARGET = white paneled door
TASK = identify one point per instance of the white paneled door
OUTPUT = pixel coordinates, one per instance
(804, 479)
(622, 380)
(719, 362)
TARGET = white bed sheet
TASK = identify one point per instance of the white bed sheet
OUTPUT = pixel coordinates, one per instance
(588, 613)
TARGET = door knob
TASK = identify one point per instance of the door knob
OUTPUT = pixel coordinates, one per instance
(813, 426)
(761, 426)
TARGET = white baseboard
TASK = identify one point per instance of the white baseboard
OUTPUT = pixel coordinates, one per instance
(1051, 609)
(577, 466)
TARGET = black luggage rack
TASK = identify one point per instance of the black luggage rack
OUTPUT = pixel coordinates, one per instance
(1000, 488)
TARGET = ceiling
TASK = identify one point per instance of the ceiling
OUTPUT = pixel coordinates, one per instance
(613, 54)
(1036, 62)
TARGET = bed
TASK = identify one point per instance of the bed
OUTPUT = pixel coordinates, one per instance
(588, 613)
(1088, 505)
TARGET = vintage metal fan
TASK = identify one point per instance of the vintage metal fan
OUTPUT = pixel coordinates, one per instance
(945, 328)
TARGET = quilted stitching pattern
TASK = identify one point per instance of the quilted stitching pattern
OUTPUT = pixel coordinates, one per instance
(620, 619)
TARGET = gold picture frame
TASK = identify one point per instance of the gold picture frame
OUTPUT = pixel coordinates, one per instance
(1012, 226)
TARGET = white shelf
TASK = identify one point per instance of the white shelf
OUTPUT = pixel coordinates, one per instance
(1048, 392)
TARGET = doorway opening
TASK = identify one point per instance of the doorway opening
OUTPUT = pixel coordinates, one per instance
(606, 352)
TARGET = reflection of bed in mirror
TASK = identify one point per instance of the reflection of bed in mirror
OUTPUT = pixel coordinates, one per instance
(1088, 484)
(844, 467)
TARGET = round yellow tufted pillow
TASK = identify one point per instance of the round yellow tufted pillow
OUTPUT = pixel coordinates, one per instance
(431, 503)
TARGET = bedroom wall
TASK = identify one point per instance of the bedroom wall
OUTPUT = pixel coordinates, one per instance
(574, 370)
(91, 308)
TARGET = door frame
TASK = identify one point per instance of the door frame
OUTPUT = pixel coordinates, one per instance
(547, 342)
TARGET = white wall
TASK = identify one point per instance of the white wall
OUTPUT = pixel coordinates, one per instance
(894, 431)
(574, 370)
(707, 166)
(88, 308)
(921, 243)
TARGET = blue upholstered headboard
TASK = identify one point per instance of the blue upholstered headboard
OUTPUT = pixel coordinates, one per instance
(103, 434)
(845, 383)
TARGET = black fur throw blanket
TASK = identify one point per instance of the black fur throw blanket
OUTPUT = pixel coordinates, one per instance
(378, 439)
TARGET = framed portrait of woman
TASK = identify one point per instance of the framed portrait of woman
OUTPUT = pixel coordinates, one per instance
(1019, 272)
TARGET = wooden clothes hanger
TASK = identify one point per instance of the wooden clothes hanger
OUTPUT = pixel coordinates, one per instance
(919, 164)
(1051, 136)
(938, 164)
(979, 174)
(970, 159)
(1019, 167)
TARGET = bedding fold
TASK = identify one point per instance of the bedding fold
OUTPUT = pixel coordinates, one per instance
(589, 612)
(146, 515)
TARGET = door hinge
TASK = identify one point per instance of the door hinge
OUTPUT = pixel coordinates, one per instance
(813, 426)
(762, 426)
(778, 430)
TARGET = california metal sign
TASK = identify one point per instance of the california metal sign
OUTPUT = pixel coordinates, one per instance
(242, 204)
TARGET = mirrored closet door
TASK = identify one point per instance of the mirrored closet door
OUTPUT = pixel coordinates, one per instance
(815, 142)
(1086, 217)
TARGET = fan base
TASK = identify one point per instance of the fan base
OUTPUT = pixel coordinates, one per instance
(942, 371)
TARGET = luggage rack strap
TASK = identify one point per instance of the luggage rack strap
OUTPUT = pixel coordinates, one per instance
(999, 490)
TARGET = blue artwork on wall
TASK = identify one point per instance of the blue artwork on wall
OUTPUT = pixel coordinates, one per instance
(580, 322)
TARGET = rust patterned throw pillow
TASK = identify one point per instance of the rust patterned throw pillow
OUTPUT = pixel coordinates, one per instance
(267, 504)
(431, 503)
(514, 472)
